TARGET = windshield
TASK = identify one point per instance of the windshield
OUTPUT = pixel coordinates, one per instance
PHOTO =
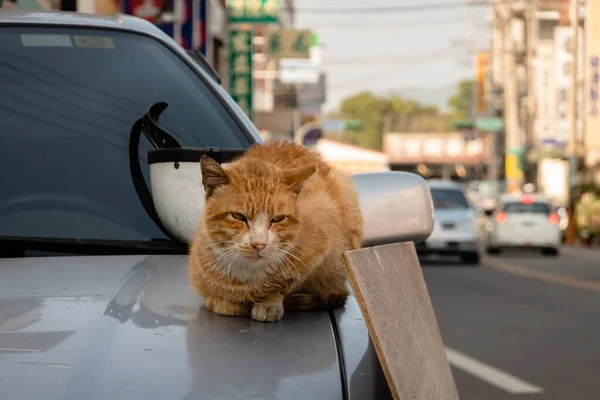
(68, 100)
(449, 199)
(521, 208)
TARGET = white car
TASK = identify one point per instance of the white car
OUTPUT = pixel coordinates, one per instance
(524, 221)
(455, 230)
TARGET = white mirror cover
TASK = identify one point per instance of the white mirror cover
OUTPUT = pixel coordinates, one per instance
(396, 207)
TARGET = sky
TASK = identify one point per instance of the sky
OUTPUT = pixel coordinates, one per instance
(388, 51)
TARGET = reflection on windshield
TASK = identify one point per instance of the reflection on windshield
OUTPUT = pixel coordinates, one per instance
(449, 199)
(68, 100)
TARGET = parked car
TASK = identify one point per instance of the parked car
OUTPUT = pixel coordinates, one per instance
(524, 221)
(95, 301)
(456, 230)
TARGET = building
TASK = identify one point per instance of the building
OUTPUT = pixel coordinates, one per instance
(284, 94)
(444, 155)
(351, 159)
(532, 83)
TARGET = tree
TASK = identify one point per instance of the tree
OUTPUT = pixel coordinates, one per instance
(462, 102)
(369, 109)
(383, 114)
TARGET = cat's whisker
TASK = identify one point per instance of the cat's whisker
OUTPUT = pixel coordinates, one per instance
(289, 253)
(227, 253)
(230, 264)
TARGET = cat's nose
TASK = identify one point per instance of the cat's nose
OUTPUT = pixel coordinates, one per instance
(258, 246)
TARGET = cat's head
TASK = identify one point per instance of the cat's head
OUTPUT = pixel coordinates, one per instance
(251, 207)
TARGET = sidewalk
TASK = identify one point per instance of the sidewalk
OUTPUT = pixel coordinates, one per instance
(592, 253)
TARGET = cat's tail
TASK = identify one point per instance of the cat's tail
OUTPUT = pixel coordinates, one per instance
(309, 301)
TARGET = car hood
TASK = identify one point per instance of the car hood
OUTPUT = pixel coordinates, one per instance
(126, 327)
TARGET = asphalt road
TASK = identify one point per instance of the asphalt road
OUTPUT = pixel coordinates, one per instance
(521, 325)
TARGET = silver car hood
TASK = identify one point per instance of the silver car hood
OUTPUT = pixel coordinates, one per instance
(130, 327)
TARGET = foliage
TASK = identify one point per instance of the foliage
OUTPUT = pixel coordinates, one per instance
(387, 114)
(462, 102)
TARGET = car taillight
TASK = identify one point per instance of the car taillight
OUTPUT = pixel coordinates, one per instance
(554, 219)
(501, 218)
(526, 199)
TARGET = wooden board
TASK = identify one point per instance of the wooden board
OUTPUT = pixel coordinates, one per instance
(389, 287)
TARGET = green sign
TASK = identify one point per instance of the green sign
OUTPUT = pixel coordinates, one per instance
(289, 43)
(463, 124)
(352, 124)
(253, 11)
(489, 124)
(240, 69)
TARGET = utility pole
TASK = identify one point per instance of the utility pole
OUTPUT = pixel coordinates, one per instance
(530, 170)
(511, 110)
(574, 84)
(571, 231)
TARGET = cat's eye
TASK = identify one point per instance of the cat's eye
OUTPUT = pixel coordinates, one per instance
(278, 218)
(238, 216)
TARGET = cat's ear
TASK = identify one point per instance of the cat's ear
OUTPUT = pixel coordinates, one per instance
(213, 175)
(295, 177)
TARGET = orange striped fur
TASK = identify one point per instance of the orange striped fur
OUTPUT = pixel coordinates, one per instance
(276, 223)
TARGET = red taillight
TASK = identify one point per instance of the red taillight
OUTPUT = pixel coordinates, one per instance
(554, 219)
(501, 218)
(525, 199)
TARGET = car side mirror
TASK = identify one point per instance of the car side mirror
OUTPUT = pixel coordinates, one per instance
(396, 207)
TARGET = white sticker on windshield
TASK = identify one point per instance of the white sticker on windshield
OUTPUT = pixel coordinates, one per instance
(41, 40)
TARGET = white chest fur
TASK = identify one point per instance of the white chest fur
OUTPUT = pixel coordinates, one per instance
(235, 267)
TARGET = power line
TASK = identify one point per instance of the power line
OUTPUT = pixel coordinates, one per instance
(399, 57)
(386, 9)
(360, 25)
(388, 71)
(410, 8)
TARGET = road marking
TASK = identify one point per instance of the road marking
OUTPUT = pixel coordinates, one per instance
(491, 375)
(550, 277)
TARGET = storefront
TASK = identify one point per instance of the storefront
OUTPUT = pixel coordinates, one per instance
(351, 159)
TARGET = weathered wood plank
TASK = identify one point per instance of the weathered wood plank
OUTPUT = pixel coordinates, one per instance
(389, 287)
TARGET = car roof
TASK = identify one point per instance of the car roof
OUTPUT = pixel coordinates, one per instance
(443, 184)
(66, 18)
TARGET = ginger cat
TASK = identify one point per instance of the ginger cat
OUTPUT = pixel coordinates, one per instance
(276, 223)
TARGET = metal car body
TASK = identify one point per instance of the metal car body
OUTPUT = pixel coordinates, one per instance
(524, 221)
(455, 230)
(127, 325)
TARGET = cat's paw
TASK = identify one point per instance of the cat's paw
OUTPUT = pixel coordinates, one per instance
(222, 307)
(267, 312)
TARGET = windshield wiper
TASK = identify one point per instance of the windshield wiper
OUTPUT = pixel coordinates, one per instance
(16, 246)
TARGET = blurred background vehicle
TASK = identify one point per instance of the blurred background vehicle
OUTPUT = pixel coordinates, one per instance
(524, 221)
(485, 193)
(455, 230)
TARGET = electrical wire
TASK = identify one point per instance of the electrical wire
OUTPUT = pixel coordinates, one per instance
(411, 8)
(386, 9)
(360, 25)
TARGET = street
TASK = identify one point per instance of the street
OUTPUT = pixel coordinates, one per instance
(521, 325)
